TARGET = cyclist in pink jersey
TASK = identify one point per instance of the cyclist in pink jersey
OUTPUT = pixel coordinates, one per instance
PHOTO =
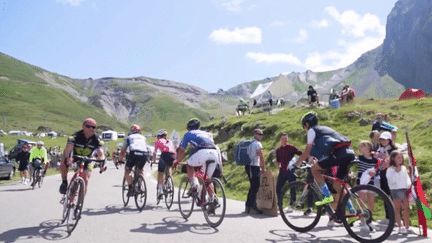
(167, 157)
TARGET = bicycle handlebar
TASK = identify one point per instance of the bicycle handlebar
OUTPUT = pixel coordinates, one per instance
(84, 158)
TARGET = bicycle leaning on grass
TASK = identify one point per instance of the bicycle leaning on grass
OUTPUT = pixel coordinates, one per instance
(73, 199)
(139, 189)
(300, 213)
(210, 196)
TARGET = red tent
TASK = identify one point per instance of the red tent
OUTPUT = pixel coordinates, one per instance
(412, 94)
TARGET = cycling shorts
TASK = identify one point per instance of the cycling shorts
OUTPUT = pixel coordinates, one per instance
(136, 158)
(342, 157)
(166, 159)
(201, 156)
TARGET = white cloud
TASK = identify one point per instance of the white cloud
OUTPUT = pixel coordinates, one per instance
(354, 24)
(320, 24)
(302, 36)
(248, 35)
(233, 5)
(74, 3)
(274, 58)
(277, 23)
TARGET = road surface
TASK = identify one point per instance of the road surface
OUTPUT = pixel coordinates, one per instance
(33, 216)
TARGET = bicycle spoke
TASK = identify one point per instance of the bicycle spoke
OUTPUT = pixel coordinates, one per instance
(169, 191)
(125, 191)
(185, 199)
(372, 221)
(140, 190)
(214, 206)
(298, 208)
(75, 205)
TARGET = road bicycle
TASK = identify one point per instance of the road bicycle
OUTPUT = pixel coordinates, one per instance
(139, 189)
(213, 207)
(37, 174)
(73, 199)
(300, 213)
(168, 190)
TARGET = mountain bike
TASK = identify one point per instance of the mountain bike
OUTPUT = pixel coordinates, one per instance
(139, 189)
(213, 207)
(37, 174)
(73, 199)
(168, 190)
(301, 214)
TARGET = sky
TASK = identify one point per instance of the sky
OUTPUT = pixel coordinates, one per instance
(212, 44)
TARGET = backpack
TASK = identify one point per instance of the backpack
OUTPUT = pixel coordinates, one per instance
(241, 155)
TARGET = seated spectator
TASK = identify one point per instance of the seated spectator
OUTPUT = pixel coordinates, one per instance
(313, 96)
(333, 95)
(381, 126)
(347, 94)
(241, 108)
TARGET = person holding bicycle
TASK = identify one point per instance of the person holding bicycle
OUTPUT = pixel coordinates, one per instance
(203, 149)
(82, 143)
(332, 149)
(136, 143)
(39, 152)
(166, 159)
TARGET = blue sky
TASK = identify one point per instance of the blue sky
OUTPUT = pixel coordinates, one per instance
(211, 44)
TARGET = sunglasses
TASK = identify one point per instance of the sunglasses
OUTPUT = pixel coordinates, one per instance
(90, 126)
(259, 134)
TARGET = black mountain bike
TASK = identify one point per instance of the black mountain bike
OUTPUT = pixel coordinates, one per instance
(37, 173)
(168, 190)
(139, 189)
(301, 214)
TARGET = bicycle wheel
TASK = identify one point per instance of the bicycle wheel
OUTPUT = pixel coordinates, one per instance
(370, 224)
(125, 191)
(35, 178)
(65, 207)
(40, 181)
(75, 205)
(140, 192)
(169, 191)
(185, 199)
(215, 207)
(298, 208)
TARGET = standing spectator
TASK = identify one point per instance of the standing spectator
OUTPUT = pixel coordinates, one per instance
(312, 96)
(347, 94)
(381, 126)
(374, 137)
(284, 153)
(253, 171)
(23, 159)
(399, 183)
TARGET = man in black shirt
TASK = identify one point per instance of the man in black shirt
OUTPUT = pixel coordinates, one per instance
(23, 160)
(312, 96)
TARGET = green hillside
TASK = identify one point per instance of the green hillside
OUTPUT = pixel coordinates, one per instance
(414, 113)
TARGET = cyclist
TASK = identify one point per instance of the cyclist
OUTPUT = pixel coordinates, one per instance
(332, 149)
(136, 143)
(203, 149)
(166, 158)
(83, 143)
(39, 152)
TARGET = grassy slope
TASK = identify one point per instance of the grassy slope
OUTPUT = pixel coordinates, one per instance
(414, 113)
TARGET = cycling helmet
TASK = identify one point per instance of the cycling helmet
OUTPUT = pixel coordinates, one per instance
(311, 118)
(161, 133)
(40, 143)
(135, 129)
(193, 123)
(90, 121)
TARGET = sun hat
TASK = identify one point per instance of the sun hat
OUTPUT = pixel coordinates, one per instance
(386, 135)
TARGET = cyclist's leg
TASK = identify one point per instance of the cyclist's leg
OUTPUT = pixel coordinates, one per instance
(317, 169)
(88, 167)
(128, 169)
(161, 171)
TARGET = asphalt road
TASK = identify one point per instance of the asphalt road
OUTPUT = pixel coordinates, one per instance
(34, 215)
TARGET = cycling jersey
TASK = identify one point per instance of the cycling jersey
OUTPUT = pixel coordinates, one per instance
(325, 141)
(135, 142)
(165, 145)
(36, 153)
(82, 145)
(199, 140)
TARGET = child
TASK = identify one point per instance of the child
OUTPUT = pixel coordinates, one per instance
(374, 137)
(399, 182)
(367, 164)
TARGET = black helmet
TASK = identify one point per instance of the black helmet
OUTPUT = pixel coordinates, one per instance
(193, 123)
(311, 118)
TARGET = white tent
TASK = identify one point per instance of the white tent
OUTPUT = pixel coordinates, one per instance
(261, 89)
(109, 135)
(52, 134)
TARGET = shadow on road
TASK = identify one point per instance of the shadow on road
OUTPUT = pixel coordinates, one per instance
(173, 225)
(113, 209)
(290, 236)
(49, 230)
(17, 190)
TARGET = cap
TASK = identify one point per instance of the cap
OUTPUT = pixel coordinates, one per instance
(386, 135)
(90, 121)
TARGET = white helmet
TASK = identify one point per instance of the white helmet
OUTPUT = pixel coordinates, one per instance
(40, 143)
(161, 132)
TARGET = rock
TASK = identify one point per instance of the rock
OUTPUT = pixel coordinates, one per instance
(354, 114)
(395, 107)
(364, 122)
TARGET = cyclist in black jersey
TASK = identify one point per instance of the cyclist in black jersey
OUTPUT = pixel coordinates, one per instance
(82, 143)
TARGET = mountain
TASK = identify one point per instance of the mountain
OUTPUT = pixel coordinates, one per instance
(407, 49)
(32, 97)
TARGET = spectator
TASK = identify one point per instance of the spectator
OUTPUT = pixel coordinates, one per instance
(381, 126)
(333, 95)
(241, 108)
(284, 153)
(374, 137)
(347, 94)
(23, 160)
(312, 96)
(253, 171)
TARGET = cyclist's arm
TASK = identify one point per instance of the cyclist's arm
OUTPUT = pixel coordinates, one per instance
(100, 153)
(67, 151)
(180, 155)
(122, 154)
(305, 154)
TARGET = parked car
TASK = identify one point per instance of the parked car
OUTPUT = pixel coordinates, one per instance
(15, 150)
(7, 167)
(121, 135)
(2, 133)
